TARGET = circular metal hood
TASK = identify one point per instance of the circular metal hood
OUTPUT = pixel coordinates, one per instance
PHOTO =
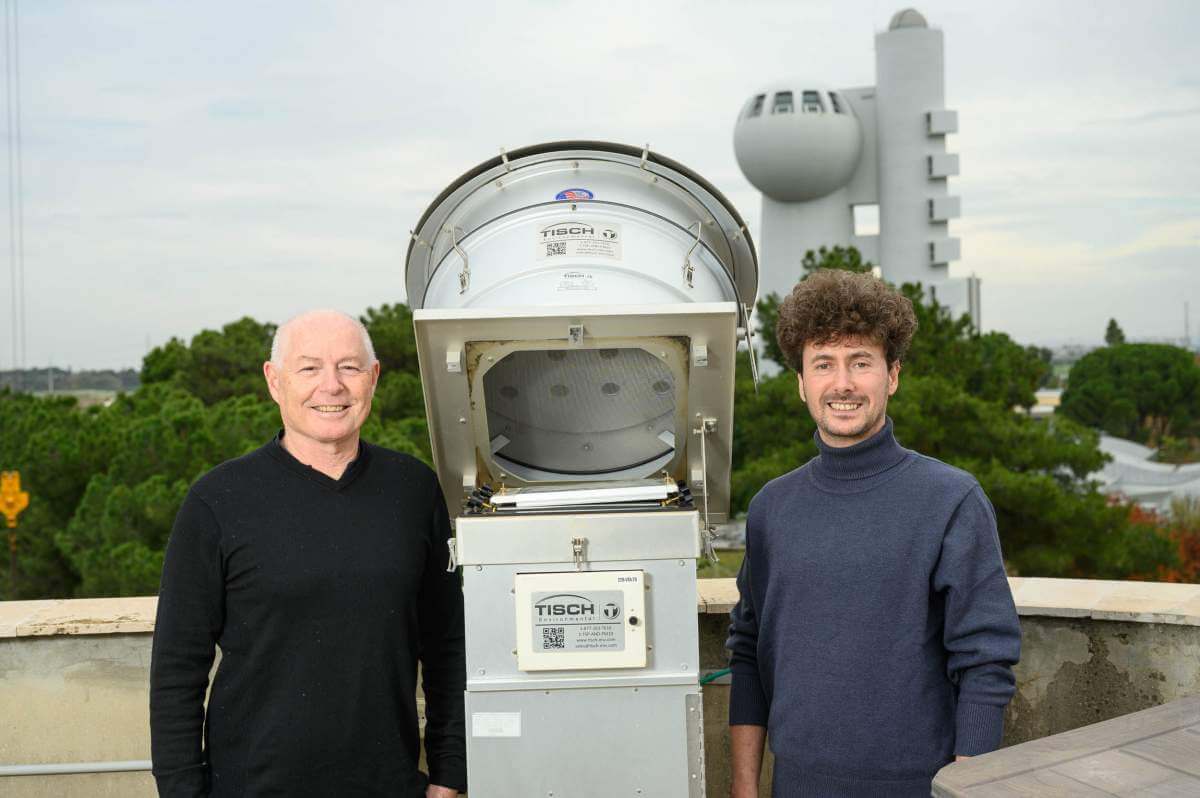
(580, 222)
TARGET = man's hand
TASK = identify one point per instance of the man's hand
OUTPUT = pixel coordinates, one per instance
(960, 757)
(434, 791)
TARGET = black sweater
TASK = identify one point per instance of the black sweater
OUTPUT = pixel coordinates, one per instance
(322, 595)
(876, 633)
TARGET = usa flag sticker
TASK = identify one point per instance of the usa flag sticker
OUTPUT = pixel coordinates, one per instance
(574, 194)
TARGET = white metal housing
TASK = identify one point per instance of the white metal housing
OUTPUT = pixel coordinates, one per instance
(577, 310)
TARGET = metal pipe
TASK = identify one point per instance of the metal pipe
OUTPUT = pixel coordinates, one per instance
(66, 768)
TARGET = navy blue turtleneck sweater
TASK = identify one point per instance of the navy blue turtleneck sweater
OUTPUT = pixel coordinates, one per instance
(875, 634)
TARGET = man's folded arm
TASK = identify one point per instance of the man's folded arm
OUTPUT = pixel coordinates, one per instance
(443, 660)
(982, 635)
(189, 620)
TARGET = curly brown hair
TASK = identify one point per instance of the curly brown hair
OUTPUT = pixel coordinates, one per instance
(833, 304)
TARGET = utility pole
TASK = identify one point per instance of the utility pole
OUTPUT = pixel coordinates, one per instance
(1187, 327)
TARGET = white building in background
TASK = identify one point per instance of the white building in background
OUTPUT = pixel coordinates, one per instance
(1132, 474)
(863, 166)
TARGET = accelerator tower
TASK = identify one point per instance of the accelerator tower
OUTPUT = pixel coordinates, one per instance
(866, 167)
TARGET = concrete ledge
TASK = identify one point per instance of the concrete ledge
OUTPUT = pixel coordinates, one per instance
(1107, 600)
(716, 596)
(96, 616)
(1102, 600)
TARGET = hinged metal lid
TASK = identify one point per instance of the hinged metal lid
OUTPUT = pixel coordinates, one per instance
(561, 396)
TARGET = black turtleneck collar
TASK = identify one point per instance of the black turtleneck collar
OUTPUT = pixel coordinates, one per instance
(838, 466)
(355, 467)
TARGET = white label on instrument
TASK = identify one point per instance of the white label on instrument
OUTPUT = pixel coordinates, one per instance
(580, 620)
(495, 724)
(592, 620)
(576, 281)
(576, 239)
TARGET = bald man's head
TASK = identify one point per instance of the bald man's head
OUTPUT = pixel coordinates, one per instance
(281, 340)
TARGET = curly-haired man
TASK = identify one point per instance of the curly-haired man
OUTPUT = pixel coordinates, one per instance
(875, 632)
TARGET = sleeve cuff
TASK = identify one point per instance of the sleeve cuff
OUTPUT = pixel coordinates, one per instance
(747, 702)
(979, 728)
(449, 774)
(186, 782)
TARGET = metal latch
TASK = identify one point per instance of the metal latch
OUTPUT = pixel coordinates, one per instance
(689, 271)
(452, 566)
(749, 332)
(579, 551)
(707, 427)
(464, 276)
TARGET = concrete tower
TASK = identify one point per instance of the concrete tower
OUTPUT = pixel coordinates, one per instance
(831, 162)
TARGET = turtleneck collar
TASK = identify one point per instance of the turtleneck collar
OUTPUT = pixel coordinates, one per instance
(862, 461)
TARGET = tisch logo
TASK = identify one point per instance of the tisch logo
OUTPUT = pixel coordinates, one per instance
(564, 604)
(560, 230)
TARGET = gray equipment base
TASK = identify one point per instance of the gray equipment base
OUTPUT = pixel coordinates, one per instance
(572, 720)
(544, 751)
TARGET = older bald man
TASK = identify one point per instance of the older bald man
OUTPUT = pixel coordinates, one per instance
(317, 564)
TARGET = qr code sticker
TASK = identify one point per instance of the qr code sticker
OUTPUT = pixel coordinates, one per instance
(554, 637)
(557, 248)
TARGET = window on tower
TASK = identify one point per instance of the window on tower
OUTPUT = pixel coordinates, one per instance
(812, 102)
(756, 106)
(866, 219)
(783, 103)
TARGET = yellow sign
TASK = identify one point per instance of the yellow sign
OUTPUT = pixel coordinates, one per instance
(12, 499)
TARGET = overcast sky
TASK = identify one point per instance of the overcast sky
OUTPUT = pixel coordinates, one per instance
(186, 164)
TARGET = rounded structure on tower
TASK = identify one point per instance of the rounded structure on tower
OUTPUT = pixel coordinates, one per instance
(908, 18)
(796, 142)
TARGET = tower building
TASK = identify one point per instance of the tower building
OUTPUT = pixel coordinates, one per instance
(864, 167)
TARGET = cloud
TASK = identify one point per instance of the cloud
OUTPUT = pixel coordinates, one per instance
(1149, 116)
(182, 171)
(1182, 234)
(1022, 258)
(236, 108)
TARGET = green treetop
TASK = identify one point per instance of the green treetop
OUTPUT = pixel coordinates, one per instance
(1144, 392)
(1113, 334)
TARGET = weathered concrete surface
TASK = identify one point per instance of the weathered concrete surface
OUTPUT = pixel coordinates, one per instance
(75, 699)
(73, 680)
(1152, 752)
(90, 785)
(1074, 672)
(93, 616)
(1107, 600)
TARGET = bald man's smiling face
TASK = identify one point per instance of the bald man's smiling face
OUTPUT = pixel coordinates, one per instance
(324, 383)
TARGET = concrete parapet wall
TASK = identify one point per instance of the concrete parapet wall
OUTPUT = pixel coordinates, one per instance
(74, 674)
(75, 698)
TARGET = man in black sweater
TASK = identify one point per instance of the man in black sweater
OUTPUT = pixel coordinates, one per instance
(875, 632)
(318, 564)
